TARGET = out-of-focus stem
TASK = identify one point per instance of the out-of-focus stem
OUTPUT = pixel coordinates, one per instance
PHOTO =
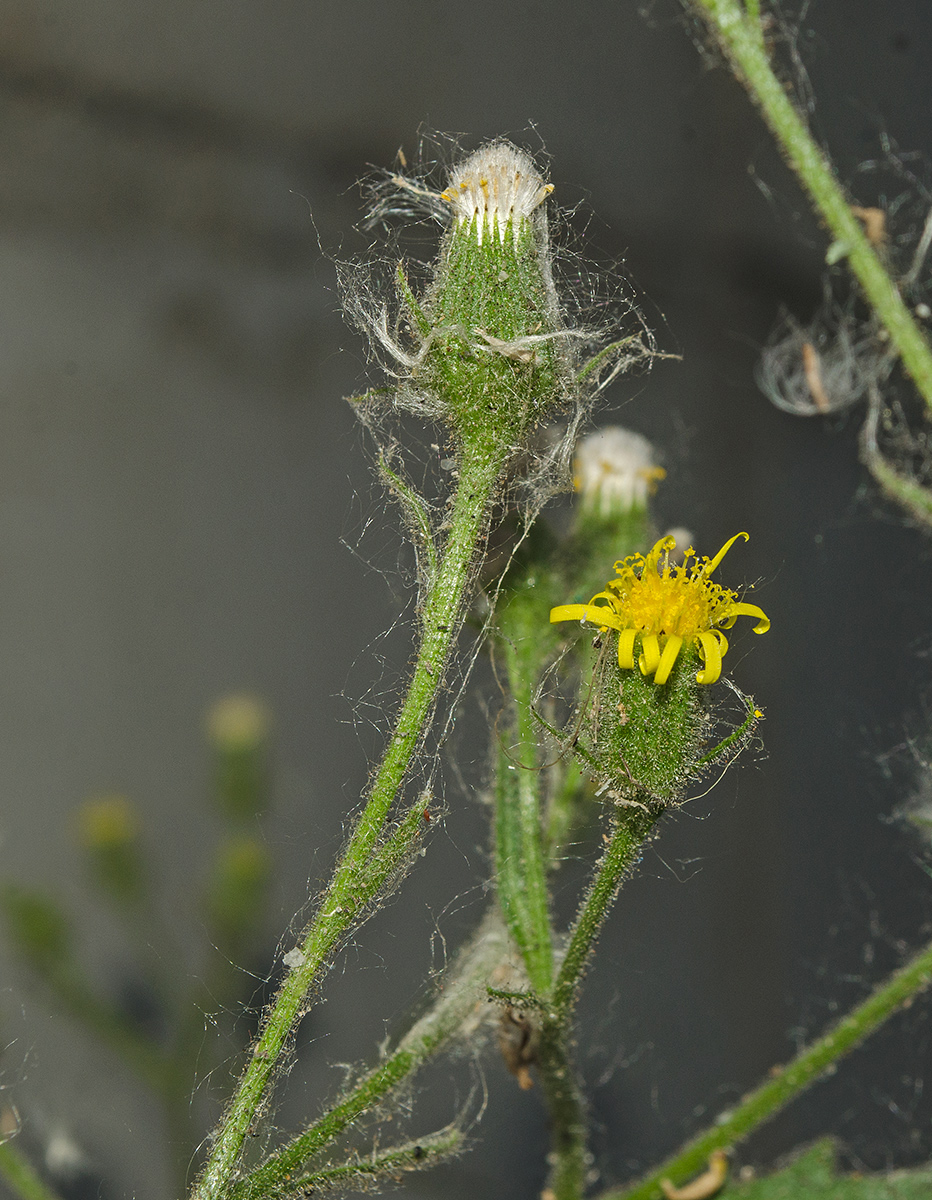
(21, 1177)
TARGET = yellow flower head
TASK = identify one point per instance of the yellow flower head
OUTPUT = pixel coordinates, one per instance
(667, 607)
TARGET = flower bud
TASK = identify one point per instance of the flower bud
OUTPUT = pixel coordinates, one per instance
(238, 730)
(498, 349)
(108, 828)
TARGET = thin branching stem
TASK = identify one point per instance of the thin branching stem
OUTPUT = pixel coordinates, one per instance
(462, 990)
(632, 825)
(785, 1084)
(569, 1156)
(908, 492)
(362, 872)
(361, 1173)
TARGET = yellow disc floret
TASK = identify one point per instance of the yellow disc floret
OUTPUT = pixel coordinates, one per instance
(666, 606)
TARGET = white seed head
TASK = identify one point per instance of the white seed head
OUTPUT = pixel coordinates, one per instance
(615, 469)
(497, 184)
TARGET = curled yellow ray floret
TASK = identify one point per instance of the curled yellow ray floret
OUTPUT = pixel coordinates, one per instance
(665, 607)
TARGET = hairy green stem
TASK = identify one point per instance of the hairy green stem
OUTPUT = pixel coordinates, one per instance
(807, 1067)
(463, 989)
(362, 872)
(632, 825)
(21, 1177)
(736, 737)
(569, 1156)
(738, 33)
(416, 514)
(520, 863)
(387, 1165)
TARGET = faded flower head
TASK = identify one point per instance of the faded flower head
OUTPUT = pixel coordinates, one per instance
(666, 607)
(614, 469)
(486, 341)
(107, 821)
(496, 350)
(496, 187)
(238, 721)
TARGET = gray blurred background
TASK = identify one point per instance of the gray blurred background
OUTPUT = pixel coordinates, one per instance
(186, 508)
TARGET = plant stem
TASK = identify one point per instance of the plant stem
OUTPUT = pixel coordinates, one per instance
(21, 1177)
(808, 1065)
(753, 11)
(520, 863)
(355, 883)
(463, 990)
(632, 825)
(916, 499)
(739, 35)
(388, 1165)
(568, 1154)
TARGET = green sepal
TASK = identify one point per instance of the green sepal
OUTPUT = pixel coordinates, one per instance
(487, 296)
(637, 738)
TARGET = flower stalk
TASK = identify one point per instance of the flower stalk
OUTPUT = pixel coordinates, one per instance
(786, 1083)
(569, 1136)
(362, 873)
(631, 827)
(614, 471)
(489, 362)
(521, 864)
(738, 31)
